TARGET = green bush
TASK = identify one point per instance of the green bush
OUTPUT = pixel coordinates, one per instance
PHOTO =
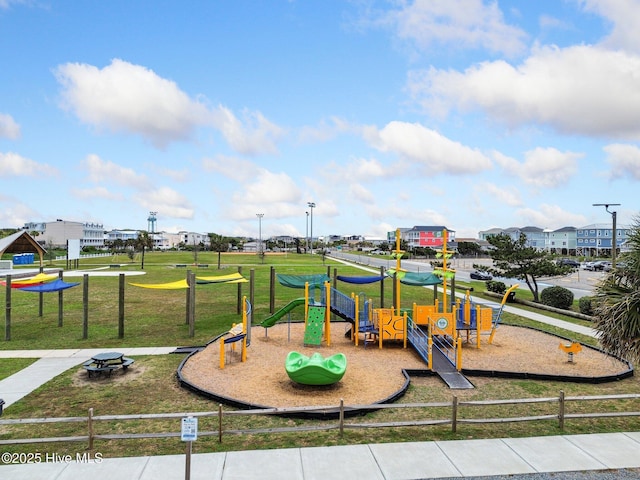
(558, 297)
(496, 287)
(585, 304)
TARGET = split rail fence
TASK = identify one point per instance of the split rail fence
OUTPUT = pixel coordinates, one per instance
(337, 422)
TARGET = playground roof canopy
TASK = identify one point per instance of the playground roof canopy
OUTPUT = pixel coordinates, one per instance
(48, 287)
(418, 279)
(299, 281)
(360, 280)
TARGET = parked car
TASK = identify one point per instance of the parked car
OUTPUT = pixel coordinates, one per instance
(568, 262)
(480, 275)
(596, 266)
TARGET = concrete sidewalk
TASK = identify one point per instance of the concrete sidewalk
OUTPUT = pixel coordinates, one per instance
(388, 461)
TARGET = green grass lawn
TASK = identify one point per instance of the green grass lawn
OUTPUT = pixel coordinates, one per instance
(157, 318)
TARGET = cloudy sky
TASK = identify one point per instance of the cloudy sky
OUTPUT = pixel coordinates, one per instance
(471, 114)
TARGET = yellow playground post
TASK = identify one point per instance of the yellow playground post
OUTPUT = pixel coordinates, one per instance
(237, 333)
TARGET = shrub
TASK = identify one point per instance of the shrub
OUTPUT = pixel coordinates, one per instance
(558, 297)
(496, 287)
(585, 304)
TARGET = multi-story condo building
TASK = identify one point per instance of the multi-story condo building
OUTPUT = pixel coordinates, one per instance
(57, 233)
(597, 239)
(561, 241)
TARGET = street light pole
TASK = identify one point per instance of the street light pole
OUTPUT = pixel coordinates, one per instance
(260, 215)
(311, 206)
(614, 235)
(306, 235)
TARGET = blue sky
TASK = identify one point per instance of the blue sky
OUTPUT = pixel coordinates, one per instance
(466, 113)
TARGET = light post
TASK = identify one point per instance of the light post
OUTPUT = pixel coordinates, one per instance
(614, 235)
(260, 215)
(306, 235)
(311, 205)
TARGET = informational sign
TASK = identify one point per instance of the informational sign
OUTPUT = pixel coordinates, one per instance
(73, 249)
(189, 429)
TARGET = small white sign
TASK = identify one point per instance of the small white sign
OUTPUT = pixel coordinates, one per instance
(189, 429)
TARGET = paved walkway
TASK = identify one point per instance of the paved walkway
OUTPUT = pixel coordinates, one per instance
(388, 461)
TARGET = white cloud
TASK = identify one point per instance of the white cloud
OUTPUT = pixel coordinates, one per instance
(506, 195)
(234, 168)
(470, 24)
(123, 97)
(550, 216)
(166, 201)
(271, 187)
(8, 127)
(129, 98)
(578, 90)
(14, 213)
(253, 136)
(359, 192)
(103, 171)
(542, 167)
(326, 130)
(360, 168)
(15, 165)
(429, 149)
(624, 16)
(624, 160)
(96, 192)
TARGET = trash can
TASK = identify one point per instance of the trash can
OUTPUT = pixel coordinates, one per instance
(511, 298)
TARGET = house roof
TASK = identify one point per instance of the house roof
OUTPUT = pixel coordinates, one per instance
(430, 228)
(21, 242)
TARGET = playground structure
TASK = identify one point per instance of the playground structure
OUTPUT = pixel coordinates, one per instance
(237, 334)
(436, 332)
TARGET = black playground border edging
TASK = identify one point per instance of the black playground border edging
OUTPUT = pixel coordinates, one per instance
(334, 413)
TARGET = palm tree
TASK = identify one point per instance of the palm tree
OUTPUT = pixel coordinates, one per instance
(617, 303)
(219, 244)
(143, 242)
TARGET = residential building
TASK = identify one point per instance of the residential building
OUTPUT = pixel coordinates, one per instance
(423, 236)
(57, 233)
(535, 235)
(562, 241)
(597, 239)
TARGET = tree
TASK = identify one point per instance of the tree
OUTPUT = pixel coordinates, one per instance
(219, 244)
(469, 249)
(142, 242)
(514, 259)
(617, 303)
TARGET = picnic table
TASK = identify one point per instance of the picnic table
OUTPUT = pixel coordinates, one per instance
(106, 363)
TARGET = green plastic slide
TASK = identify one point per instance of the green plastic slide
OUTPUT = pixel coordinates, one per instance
(273, 319)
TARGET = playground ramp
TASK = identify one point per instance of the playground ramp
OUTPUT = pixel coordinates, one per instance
(273, 319)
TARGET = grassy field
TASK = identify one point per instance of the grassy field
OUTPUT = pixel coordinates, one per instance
(157, 317)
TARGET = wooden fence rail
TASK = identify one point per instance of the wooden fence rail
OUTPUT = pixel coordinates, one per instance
(454, 419)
